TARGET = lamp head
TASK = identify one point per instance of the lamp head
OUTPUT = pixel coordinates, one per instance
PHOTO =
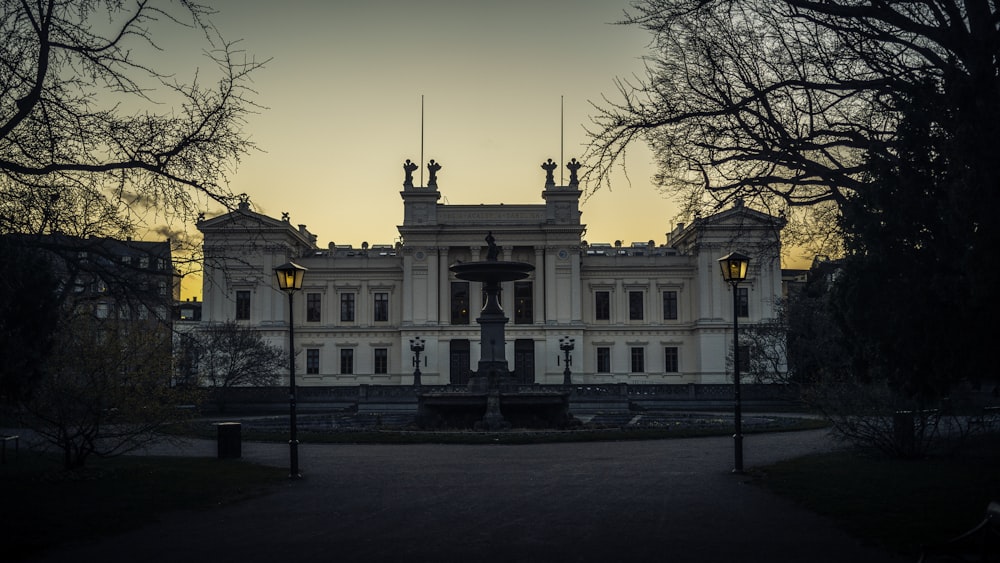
(734, 267)
(290, 276)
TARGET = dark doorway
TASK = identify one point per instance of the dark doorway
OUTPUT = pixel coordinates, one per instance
(524, 360)
(459, 363)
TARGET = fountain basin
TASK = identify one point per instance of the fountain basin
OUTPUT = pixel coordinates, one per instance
(492, 271)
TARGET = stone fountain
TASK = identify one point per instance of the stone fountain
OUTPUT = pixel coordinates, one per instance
(493, 385)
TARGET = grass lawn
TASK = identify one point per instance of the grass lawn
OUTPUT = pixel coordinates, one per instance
(900, 504)
(202, 429)
(43, 505)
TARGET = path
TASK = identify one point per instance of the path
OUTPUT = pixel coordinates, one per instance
(669, 501)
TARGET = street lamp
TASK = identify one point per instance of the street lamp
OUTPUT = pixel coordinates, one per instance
(566, 344)
(734, 270)
(290, 277)
(416, 346)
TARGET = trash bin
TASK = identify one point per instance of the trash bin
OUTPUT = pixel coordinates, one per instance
(230, 440)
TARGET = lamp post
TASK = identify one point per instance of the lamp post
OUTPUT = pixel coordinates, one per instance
(416, 346)
(566, 344)
(734, 270)
(290, 277)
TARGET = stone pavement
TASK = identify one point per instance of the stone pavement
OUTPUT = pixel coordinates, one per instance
(671, 501)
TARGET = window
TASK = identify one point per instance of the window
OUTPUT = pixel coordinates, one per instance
(102, 310)
(347, 360)
(161, 264)
(635, 306)
(314, 307)
(459, 303)
(743, 301)
(381, 307)
(126, 259)
(670, 362)
(523, 312)
(381, 360)
(602, 305)
(670, 305)
(312, 360)
(603, 360)
(144, 262)
(162, 288)
(638, 360)
(347, 307)
(243, 305)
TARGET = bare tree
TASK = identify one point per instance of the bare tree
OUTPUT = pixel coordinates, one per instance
(234, 355)
(92, 137)
(107, 388)
(783, 101)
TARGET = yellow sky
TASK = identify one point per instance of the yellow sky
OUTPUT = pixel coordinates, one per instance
(343, 96)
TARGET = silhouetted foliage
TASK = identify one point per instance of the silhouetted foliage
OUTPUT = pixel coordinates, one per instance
(29, 316)
(917, 276)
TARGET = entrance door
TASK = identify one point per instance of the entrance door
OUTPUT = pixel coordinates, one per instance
(524, 360)
(459, 363)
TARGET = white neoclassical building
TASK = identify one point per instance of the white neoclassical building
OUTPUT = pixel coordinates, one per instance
(639, 313)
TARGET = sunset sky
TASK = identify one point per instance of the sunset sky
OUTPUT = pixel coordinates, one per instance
(343, 97)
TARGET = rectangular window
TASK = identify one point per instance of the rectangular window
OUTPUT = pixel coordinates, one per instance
(603, 360)
(312, 360)
(162, 288)
(743, 301)
(314, 307)
(381, 311)
(243, 305)
(347, 307)
(102, 310)
(602, 305)
(523, 311)
(670, 305)
(347, 361)
(670, 360)
(460, 303)
(635, 307)
(638, 360)
(381, 360)
(144, 262)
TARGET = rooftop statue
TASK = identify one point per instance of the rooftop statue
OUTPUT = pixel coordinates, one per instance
(408, 168)
(549, 166)
(573, 167)
(433, 168)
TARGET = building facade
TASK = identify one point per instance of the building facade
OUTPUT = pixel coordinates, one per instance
(637, 313)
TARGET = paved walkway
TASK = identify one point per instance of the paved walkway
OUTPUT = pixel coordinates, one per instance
(669, 501)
